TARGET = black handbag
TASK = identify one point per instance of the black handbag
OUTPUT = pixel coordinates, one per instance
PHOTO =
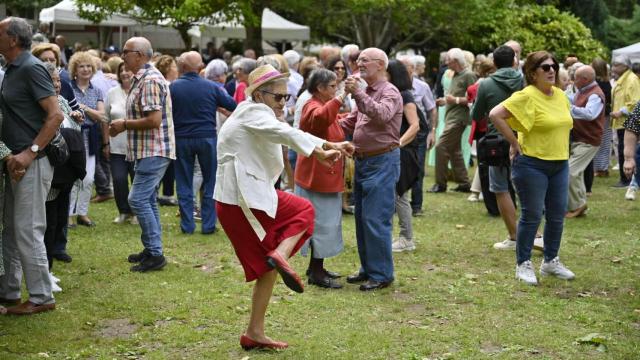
(493, 150)
(57, 151)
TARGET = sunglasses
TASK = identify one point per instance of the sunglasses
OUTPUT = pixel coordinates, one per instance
(338, 68)
(278, 97)
(547, 67)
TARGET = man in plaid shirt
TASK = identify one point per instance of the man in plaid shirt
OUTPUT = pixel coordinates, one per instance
(151, 145)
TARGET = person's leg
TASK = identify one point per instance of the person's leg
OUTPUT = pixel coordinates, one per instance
(102, 176)
(555, 203)
(588, 177)
(378, 189)
(60, 234)
(531, 182)
(358, 196)
(208, 164)
(29, 225)
(507, 212)
(581, 156)
(168, 180)
(446, 143)
(186, 150)
(84, 193)
(262, 291)
(11, 282)
(602, 159)
(50, 232)
(499, 186)
(120, 175)
(623, 178)
(416, 190)
(403, 209)
(458, 164)
(197, 184)
(149, 172)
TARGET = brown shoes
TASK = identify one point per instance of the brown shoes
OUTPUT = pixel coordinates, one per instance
(577, 212)
(29, 308)
(101, 198)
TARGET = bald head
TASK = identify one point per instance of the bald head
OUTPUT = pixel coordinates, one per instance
(515, 46)
(190, 61)
(584, 76)
(142, 45)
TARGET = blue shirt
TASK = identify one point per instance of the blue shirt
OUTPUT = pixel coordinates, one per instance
(195, 101)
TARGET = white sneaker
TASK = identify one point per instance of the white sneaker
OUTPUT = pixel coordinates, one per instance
(54, 278)
(402, 244)
(631, 193)
(474, 197)
(555, 268)
(120, 219)
(507, 244)
(524, 272)
(538, 243)
(133, 220)
(55, 287)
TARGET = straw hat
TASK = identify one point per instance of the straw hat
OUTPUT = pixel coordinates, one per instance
(263, 75)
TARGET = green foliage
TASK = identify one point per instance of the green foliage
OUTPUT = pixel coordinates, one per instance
(623, 32)
(544, 28)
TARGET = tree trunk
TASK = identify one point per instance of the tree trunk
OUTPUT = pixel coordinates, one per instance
(253, 26)
(183, 29)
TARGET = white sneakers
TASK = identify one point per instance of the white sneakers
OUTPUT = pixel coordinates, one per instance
(555, 268)
(631, 193)
(54, 283)
(509, 244)
(525, 273)
(402, 244)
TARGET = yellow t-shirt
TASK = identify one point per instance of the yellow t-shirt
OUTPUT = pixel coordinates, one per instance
(543, 122)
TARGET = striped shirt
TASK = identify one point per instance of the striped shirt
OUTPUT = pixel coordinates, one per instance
(150, 92)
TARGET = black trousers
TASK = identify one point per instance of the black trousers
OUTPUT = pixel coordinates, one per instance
(55, 236)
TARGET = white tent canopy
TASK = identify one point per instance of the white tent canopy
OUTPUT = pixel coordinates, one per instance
(632, 51)
(66, 13)
(274, 28)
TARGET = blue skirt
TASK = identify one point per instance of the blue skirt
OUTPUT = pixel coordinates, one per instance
(326, 240)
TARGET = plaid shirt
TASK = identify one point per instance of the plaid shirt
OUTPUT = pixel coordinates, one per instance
(150, 92)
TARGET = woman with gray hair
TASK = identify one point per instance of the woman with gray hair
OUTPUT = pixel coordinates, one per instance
(265, 226)
(216, 71)
(322, 186)
(241, 70)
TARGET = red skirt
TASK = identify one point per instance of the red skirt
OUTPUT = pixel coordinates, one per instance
(293, 216)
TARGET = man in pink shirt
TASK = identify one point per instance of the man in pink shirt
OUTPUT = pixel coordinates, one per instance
(376, 135)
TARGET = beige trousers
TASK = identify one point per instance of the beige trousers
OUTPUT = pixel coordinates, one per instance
(580, 157)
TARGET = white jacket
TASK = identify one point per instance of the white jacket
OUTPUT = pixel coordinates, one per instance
(250, 158)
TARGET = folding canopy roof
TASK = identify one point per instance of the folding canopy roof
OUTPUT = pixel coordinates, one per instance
(274, 28)
(66, 13)
(633, 51)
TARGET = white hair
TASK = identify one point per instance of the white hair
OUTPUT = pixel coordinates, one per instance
(143, 45)
(419, 60)
(347, 50)
(292, 57)
(215, 69)
(411, 59)
(457, 55)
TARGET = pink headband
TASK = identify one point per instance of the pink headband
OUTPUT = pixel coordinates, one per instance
(267, 76)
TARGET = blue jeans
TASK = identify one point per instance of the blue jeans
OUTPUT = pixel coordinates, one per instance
(416, 190)
(142, 199)
(374, 196)
(121, 171)
(186, 151)
(542, 187)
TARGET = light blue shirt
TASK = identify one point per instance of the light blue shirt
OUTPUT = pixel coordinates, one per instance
(591, 110)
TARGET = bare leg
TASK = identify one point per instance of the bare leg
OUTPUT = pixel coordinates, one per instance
(3, 310)
(259, 302)
(286, 246)
(507, 212)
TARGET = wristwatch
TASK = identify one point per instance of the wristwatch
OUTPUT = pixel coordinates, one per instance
(35, 148)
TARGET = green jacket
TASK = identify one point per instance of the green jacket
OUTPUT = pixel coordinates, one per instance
(493, 91)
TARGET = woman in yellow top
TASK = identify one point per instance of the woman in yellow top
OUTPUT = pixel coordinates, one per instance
(540, 171)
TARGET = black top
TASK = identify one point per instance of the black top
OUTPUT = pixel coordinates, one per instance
(605, 86)
(26, 81)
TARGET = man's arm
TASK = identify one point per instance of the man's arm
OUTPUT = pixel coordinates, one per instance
(590, 111)
(630, 142)
(52, 122)
(378, 111)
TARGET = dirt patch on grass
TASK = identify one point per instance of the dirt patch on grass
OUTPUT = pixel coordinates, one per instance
(116, 329)
(401, 296)
(490, 348)
(416, 308)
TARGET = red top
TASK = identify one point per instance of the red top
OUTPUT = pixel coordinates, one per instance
(320, 119)
(476, 124)
(239, 95)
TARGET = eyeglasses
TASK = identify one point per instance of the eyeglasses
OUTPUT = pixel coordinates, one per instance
(126, 51)
(278, 97)
(547, 67)
(366, 61)
(336, 68)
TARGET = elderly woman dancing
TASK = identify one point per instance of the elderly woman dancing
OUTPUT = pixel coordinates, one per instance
(265, 226)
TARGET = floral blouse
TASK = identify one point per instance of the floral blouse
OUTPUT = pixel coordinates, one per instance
(633, 121)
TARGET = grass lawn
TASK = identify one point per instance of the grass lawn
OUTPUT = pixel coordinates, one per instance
(453, 298)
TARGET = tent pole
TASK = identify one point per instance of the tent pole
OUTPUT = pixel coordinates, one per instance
(54, 30)
(120, 38)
